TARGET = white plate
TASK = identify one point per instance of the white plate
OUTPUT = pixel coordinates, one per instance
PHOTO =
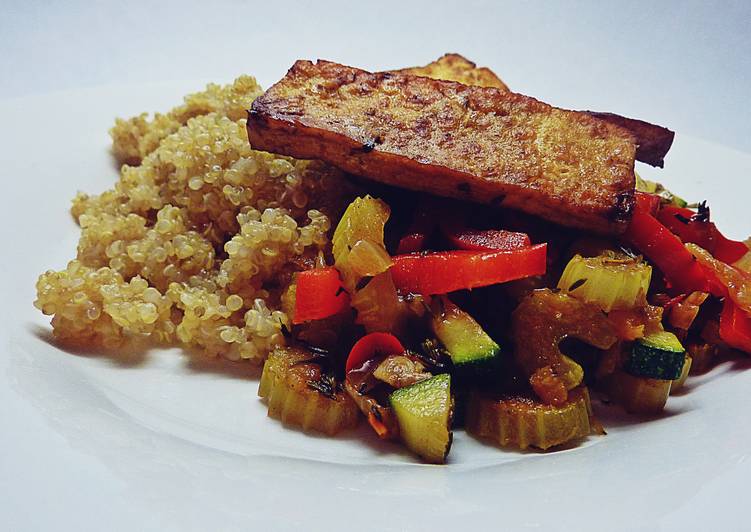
(163, 443)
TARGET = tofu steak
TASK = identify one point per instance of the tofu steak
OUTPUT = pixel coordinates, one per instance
(652, 141)
(474, 143)
(454, 67)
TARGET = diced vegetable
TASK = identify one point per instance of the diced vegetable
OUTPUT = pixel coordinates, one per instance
(448, 271)
(380, 418)
(697, 229)
(411, 243)
(485, 240)
(657, 356)
(548, 386)
(666, 250)
(681, 380)
(300, 394)
(400, 371)
(735, 327)
(611, 281)
(358, 242)
(372, 346)
(610, 361)
(702, 354)
(422, 226)
(636, 322)
(543, 319)
(432, 213)
(467, 343)
(683, 312)
(319, 294)
(378, 305)
(364, 264)
(724, 279)
(627, 327)
(364, 358)
(638, 395)
(656, 189)
(425, 411)
(366, 259)
(364, 219)
(521, 421)
(647, 202)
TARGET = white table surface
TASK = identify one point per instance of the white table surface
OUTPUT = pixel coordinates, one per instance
(682, 64)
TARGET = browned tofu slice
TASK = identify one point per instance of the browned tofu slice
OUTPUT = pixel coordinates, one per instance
(652, 141)
(454, 67)
(474, 143)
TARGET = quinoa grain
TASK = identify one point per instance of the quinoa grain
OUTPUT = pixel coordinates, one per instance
(198, 239)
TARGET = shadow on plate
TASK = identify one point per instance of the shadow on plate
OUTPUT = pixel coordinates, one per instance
(612, 415)
(735, 363)
(199, 363)
(533, 451)
(362, 434)
(127, 357)
(136, 355)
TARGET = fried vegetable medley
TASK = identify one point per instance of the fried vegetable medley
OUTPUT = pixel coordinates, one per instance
(381, 300)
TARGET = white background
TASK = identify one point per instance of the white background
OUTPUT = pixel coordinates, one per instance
(682, 64)
(89, 443)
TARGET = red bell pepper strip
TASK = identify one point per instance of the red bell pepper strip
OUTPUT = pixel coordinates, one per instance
(689, 228)
(378, 426)
(319, 294)
(724, 280)
(371, 346)
(735, 326)
(448, 271)
(729, 251)
(428, 212)
(666, 250)
(412, 242)
(486, 240)
(647, 202)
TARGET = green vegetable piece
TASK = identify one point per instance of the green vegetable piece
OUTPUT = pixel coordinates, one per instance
(638, 395)
(610, 280)
(680, 381)
(668, 198)
(466, 342)
(424, 412)
(657, 356)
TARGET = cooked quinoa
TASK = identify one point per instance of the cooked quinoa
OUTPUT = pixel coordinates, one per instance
(134, 138)
(199, 238)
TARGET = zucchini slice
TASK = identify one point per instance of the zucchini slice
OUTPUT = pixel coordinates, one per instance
(612, 281)
(680, 381)
(657, 356)
(521, 421)
(638, 395)
(467, 343)
(288, 384)
(425, 412)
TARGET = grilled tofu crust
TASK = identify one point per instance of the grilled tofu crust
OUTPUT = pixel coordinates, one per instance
(474, 143)
(454, 67)
(652, 141)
